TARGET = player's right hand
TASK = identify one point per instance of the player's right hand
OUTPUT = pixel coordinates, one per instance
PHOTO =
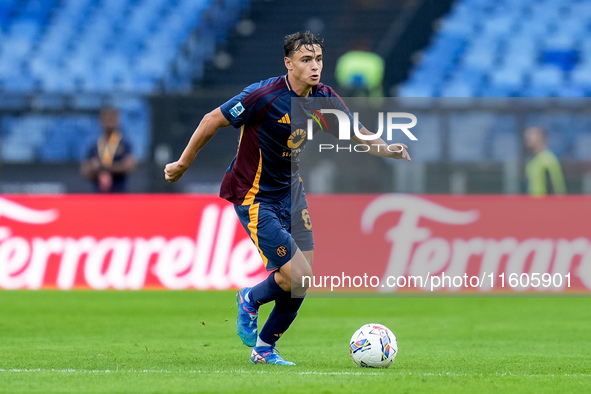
(399, 151)
(174, 171)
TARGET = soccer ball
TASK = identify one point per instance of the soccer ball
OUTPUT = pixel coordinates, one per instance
(373, 345)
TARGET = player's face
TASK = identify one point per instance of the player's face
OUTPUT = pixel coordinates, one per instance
(305, 65)
(533, 138)
(109, 119)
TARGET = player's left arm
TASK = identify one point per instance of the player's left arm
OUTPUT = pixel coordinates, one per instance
(379, 147)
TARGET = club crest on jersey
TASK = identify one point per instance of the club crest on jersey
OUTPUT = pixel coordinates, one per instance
(236, 110)
(281, 251)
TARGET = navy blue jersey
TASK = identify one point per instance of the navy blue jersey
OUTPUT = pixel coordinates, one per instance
(267, 159)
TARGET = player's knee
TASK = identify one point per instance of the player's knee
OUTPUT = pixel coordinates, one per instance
(309, 255)
(302, 280)
(283, 279)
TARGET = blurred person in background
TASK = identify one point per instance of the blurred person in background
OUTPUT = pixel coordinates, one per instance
(360, 72)
(110, 159)
(543, 171)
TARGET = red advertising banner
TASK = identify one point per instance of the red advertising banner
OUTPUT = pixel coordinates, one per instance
(380, 243)
(124, 242)
(453, 243)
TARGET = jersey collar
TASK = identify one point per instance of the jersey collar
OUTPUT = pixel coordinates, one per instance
(310, 92)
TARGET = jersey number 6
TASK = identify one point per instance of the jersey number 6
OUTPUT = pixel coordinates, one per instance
(306, 217)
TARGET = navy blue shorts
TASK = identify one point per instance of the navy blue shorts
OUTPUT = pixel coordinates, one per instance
(278, 229)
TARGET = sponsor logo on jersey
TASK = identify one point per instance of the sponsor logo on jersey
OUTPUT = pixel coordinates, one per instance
(296, 138)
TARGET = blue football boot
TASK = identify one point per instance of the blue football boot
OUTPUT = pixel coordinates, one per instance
(267, 355)
(246, 323)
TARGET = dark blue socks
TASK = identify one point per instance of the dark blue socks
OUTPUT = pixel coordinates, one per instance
(283, 314)
(266, 291)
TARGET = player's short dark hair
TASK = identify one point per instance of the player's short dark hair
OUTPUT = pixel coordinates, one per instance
(306, 39)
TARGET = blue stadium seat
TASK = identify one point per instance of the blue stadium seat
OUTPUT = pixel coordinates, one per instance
(135, 42)
(560, 51)
(581, 77)
(547, 77)
(495, 91)
(458, 89)
(519, 61)
(509, 79)
(416, 90)
(517, 48)
(571, 90)
(469, 75)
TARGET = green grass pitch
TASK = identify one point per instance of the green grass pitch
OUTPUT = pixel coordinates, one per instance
(181, 342)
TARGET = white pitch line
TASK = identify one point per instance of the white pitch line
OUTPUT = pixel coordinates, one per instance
(286, 372)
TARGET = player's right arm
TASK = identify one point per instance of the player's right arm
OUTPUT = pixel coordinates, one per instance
(208, 126)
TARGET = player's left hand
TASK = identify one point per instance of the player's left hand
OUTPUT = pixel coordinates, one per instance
(399, 151)
(174, 171)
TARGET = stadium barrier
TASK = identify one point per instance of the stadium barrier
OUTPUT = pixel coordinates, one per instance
(401, 243)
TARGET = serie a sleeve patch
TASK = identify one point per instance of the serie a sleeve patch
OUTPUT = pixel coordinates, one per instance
(236, 110)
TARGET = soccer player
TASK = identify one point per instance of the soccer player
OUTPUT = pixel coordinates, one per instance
(268, 198)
